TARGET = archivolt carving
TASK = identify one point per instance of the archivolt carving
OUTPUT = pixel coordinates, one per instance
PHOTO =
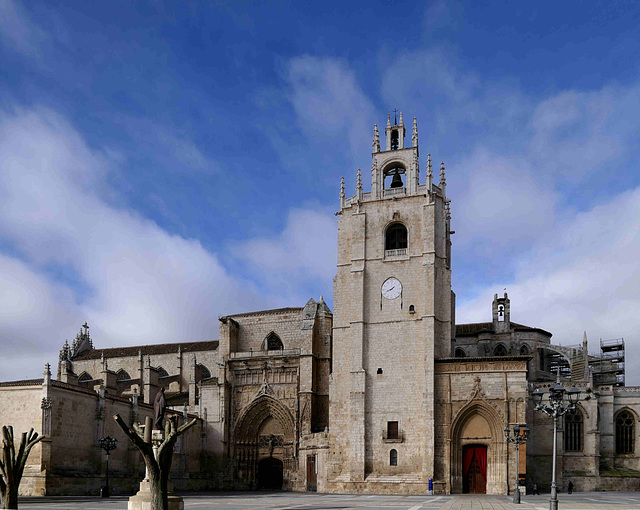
(260, 409)
(489, 412)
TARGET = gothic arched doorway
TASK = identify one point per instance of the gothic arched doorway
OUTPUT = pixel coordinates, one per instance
(264, 445)
(476, 464)
(474, 469)
(270, 474)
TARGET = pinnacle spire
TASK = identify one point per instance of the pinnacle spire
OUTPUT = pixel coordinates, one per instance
(443, 180)
(414, 136)
(359, 181)
(401, 123)
(429, 169)
(389, 120)
(342, 194)
(376, 139)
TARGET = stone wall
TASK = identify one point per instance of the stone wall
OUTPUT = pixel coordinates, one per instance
(69, 460)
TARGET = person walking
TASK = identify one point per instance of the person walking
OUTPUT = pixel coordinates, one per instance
(570, 487)
(535, 489)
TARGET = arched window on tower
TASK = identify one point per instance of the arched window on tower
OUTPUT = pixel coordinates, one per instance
(625, 433)
(393, 457)
(459, 353)
(272, 343)
(396, 240)
(395, 140)
(524, 350)
(573, 431)
(500, 350)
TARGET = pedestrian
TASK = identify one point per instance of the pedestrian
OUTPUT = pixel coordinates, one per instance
(535, 489)
(570, 487)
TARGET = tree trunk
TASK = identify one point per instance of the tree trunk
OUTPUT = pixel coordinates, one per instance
(158, 468)
(12, 464)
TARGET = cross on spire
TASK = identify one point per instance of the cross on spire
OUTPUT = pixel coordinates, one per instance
(395, 116)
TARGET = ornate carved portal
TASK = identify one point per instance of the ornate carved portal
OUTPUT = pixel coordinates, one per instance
(477, 450)
(264, 446)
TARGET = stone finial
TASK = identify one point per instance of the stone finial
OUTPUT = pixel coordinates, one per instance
(389, 120)
(376, 139)
(401, 123)
(447, 208)
(342, 193)
(414, 135)
(359, 182)
(47, 374)
(429, 174)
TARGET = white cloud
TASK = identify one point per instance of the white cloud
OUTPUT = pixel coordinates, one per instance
(584, 276)
(329, 102)
(305, 251)
(134, 282)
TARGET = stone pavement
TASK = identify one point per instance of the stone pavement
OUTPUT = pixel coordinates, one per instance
(311, 501)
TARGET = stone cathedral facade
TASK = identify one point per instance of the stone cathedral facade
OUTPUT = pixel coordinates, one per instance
(383, 395)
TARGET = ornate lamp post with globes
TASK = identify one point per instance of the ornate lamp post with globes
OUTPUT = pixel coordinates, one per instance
(107, 444)
(555, 409)
(517, 439)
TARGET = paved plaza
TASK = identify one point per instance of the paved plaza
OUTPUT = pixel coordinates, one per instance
(306, 501)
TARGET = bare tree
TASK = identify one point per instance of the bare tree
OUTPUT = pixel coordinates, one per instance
(157, 467)
(12, 464)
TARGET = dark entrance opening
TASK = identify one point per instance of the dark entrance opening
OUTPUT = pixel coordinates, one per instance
(270, 474)
(474, 469)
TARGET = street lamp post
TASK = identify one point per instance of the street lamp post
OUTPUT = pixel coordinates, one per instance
(517, 439)
(555, 409)
(107, 444)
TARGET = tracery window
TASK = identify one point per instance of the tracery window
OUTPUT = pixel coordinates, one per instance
(524, 350)
(123, 375)
(573, 431)
(625, 432)
(203, 372)
(396, 237)
(393, 457)
(273, 343)
(84, 379)
(500, 350)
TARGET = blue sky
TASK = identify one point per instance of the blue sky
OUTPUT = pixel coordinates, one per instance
(163, 164)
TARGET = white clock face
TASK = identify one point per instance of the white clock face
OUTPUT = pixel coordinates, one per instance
(391, 288)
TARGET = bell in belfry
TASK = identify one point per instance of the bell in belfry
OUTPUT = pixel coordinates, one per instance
(397, 180)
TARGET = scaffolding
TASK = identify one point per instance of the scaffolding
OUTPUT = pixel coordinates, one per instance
(608, 365)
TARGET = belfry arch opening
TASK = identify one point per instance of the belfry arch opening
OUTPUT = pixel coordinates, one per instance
(394, 177)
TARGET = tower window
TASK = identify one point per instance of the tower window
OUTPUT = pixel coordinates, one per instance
(460, 353)
(524, 350)
(396, 237)
(573, 431)
(500, 313)
(393, 457)
(394, 140)
(625, 432)
(392, 430)
(379, 371)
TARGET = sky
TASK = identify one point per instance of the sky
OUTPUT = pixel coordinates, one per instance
(163, 164)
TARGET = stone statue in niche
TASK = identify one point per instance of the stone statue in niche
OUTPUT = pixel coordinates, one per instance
(159, 408)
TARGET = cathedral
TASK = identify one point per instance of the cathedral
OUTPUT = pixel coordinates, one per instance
(384, 394)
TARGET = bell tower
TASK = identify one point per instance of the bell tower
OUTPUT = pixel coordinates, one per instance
(392, 318)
